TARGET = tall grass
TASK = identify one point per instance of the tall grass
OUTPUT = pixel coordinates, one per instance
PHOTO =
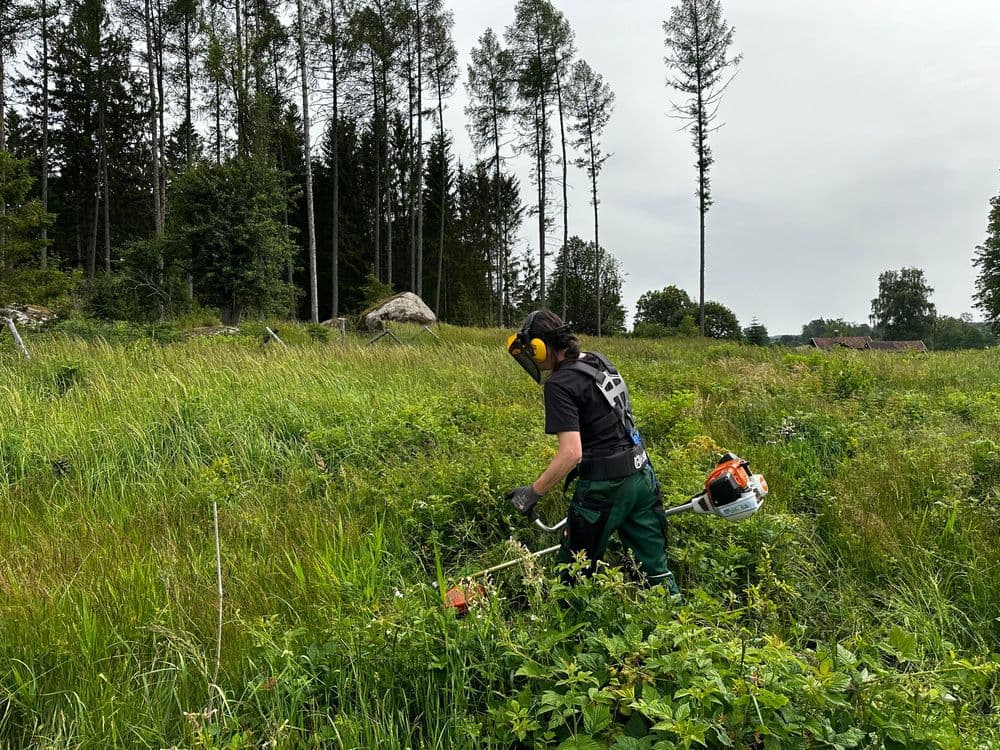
(344, 473)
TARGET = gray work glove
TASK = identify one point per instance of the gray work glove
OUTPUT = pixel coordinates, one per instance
(524, 499)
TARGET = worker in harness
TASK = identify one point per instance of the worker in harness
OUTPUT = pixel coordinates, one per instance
(587, 407)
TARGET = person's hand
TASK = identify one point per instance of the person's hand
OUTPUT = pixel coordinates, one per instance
(523, 498)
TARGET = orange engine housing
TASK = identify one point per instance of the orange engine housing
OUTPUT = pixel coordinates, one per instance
(727, 481)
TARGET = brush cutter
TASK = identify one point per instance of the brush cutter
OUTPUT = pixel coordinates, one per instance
(731, 492)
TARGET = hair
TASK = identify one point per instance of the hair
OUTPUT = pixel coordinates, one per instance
(547, 321)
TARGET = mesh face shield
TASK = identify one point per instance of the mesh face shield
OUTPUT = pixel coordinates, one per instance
(524, 356)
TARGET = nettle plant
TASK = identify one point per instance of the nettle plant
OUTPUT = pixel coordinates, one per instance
(629, 669)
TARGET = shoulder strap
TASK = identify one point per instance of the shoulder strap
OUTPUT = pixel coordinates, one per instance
(612, 387)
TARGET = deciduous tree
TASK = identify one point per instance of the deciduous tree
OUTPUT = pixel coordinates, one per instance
(903, 309)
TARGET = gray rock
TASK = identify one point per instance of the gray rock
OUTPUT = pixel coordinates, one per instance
(405, 307)
(214, 331)
(28, 316)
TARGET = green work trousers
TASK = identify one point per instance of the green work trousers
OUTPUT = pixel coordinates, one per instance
(630, 506)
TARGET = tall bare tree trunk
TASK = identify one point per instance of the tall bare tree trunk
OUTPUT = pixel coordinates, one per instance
(92, 245)
(239, 85)
(307, 155)
(543, 149)
(500, 245)
(388, 175)
(154, 141)
(334, 43)
(444, 193)
(161, 181)
(565, 181)
(3, 147)
(701, 215)
(107, 190)
(411, 189)
(188, 147)
(597, 238)
(45, 130)
(420, 159)
(378, 172)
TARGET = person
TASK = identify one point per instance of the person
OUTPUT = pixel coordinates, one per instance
(588, 408)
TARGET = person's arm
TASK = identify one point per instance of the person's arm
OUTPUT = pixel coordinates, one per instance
(567, 456)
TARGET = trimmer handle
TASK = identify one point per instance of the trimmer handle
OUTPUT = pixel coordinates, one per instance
(548, 529)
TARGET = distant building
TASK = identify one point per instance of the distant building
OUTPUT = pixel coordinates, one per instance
(866, 344)
(859, 343)
(897, 346)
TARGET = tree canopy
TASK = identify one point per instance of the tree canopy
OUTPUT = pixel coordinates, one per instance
(671, 312)
(903, 309)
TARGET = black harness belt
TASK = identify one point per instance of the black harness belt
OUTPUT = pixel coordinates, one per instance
(615, 466)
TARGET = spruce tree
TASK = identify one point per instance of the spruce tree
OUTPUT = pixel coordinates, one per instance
(488, 112)
(698, 41)
(591, 102)
(987, 259)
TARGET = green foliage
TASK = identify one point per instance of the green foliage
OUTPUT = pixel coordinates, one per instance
(22, 219)
(224, 227)
(665, 308)
(756, 334)
(671, 312)
(857, 610)
(579, 266)
(117, 332)
(958, 333)
(50, 288)
(721, 322)
(987, 259)
(631, 677)
(903, 309)
(833, 327)
(374, 291)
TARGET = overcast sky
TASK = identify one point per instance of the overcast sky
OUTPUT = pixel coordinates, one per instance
(860, 135)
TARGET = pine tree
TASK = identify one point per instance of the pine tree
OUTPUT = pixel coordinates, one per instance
(698, 41)
(488, 111)
(442, 72)
(307, 161)
(591, 102)
(529, 39)
(987, 259)
(756, 334)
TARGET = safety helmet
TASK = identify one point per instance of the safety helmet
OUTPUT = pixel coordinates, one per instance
(531, 352)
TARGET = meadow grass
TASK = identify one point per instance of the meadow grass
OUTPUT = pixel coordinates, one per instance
(349, 477)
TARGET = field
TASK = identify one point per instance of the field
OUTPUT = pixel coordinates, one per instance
(860, 609)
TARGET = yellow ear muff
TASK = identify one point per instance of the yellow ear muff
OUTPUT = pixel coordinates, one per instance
(538, 350)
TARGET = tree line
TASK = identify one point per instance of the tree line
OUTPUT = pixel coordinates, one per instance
(270, 156)
(902, 310)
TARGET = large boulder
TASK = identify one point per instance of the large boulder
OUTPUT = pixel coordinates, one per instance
(405, 307)
(28, 316)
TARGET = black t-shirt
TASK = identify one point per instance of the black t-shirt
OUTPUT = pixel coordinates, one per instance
(573, 404)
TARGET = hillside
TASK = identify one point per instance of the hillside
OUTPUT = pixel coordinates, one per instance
(859, 609)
